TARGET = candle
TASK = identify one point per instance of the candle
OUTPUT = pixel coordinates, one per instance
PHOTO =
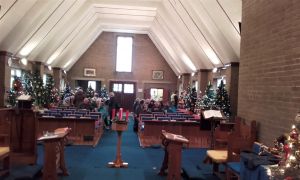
(127, 114)
(120, 113)
(113, 114)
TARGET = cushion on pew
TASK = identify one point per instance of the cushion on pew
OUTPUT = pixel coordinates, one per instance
(234, 166)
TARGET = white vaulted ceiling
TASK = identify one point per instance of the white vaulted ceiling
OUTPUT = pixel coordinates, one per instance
(190, 34)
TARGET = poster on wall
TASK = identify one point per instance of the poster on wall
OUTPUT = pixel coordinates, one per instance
(89, 72)
(157, 74)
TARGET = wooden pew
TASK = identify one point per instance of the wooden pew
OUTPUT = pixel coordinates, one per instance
(189, 129)
(85, 131)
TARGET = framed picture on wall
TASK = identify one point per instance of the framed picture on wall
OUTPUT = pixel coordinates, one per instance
(157, 74)
(89, 72)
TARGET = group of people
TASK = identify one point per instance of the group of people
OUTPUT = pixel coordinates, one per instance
(96, 104)
(106, 105)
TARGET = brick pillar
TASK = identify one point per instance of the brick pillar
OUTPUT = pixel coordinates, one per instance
(57, 76)
(203, 79)
(38, 67)
(232, 83)
(186, 80)
(4, 76)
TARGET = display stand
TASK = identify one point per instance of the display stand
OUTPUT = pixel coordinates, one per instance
(23, 137)
(119, 126)
(172, 160)
(54, 153)
(213, 116)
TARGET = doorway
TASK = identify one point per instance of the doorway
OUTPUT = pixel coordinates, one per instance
(125, 93)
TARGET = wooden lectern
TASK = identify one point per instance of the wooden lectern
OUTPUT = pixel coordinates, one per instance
(119, 126)
(172, 159)
(54, 157)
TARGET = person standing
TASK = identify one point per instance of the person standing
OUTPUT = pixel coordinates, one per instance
(175, 100)
(111, 104)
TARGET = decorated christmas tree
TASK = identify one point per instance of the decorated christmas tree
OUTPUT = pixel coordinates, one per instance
(90, 92)
(208, 100)
(222, 99)
(27, 83)
(103, 93)
(49, 98)
(193, 99)
(67, 92)
(288, 147)
(190, 98)
(38, 90)
(14, 92)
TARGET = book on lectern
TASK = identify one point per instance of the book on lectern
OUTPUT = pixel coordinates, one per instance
(212, 114)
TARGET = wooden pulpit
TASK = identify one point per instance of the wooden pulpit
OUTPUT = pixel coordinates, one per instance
(119, 126)
(172, 160)
(54, 157)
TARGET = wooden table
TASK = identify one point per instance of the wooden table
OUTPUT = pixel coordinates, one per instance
(54, 157)
(172, 160)
(118, 162)
(217, 157)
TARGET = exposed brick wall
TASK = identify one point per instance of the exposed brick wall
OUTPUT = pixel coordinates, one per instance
(101, 55)
(269, 77)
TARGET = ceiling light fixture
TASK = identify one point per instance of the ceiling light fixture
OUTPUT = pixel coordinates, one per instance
(24, 61)
(50, 68)
(215, 70)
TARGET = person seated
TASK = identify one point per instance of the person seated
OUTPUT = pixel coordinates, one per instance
(157, 107)
(68, 101)
(85, 104)
(151, 105)
(79, 97)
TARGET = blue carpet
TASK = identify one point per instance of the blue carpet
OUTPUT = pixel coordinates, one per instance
(87, 163)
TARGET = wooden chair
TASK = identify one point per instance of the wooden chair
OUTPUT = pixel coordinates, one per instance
(220, 138)
(241, 139)
(5, 115)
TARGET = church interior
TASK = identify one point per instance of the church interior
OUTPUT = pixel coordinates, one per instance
(149, 89)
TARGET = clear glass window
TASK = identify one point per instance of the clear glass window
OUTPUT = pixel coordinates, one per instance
(117, 87)
(92, 84)
(124, 54)
(156, 94)
(128, 88)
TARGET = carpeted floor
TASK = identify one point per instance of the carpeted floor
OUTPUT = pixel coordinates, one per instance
(87, 163)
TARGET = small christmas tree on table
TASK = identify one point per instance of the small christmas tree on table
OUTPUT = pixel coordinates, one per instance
(222, 99)
(289, 167)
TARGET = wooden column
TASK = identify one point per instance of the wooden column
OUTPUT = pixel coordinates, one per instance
(203, 80)
(232, 83)
(57, 76)
(4, 76)
(186, 80)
